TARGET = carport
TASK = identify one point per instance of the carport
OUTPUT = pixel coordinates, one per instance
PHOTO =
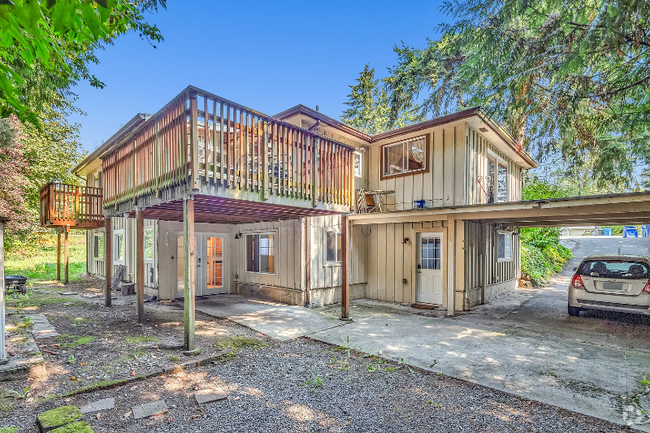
(462, 250)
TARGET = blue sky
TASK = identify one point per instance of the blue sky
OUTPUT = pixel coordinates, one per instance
(266, 55)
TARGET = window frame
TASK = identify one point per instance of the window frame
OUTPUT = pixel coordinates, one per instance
(274, 249)
(153, 245)
(359, 174)
(116, 259)
(96, 250)
(339, 260)
(512, 246)
(427, 157)
(501, 163)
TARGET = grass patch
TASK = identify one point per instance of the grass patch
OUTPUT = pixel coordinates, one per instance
(240, 342)
(102, 384)
(39, 298)
(228, 356)
(313, 383)
(7, 401)
(128, 357)
(40, 263)
(75, 340)
(173, 358)
(75, 427)
(141, 339)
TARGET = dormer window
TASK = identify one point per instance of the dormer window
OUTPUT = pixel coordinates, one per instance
(405, 157)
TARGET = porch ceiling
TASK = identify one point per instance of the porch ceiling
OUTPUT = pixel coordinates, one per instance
(630, 208)
(209, 209)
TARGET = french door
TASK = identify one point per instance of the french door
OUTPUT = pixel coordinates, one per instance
(210, 264)
(429, 268)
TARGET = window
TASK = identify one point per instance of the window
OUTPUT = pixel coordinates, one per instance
(358, 167)
(260, 253)
(498, 181)
(502, 183)
(148, 244)
(504, 246)
(118, 245)
(99, 246)
(334, 247)
(407, 157)
(430, 257)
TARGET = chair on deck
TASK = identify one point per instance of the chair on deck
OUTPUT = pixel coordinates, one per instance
(367, 201)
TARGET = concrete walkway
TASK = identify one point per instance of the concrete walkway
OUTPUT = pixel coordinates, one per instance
(280, 321)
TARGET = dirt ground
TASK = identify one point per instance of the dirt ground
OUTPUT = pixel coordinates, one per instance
(301, 385)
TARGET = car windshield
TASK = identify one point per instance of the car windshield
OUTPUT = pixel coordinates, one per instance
(614, 269)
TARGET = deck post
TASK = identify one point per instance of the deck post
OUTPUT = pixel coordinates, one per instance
(451, 267)
(108, 261)
(189, 256)
(345, 267)
(66, 255)
(307, 224)
(139, 262)
(58, 256)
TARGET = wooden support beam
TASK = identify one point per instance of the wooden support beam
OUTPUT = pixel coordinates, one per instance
(451, 267)
(58, 256)
(345, 267)
(307, 224)
(139, 263)
(66, 255)
(108, 261)
(190, 272)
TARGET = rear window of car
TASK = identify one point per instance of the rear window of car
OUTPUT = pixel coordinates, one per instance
(614, 269)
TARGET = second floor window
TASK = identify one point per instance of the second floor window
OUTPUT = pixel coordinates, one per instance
(502, 183)
(498, 184)
(406, 157)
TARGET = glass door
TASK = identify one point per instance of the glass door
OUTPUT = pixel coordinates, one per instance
(215, 264)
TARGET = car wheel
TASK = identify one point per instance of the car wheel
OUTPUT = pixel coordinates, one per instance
(574, 311)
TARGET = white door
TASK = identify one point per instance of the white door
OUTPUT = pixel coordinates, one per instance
(429, 268)
(214, 268)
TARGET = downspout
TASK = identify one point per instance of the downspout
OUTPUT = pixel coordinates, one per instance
(307, 225)
(314, 126)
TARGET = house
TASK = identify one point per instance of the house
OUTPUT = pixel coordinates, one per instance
(210, 197)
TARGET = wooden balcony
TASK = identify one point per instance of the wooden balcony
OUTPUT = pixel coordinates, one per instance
(75, 206)
(202, 144)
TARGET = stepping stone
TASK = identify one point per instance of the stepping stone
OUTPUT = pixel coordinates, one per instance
(149, 409)
(96, 406)
(210, 395)
(42, 328)
(58, 417)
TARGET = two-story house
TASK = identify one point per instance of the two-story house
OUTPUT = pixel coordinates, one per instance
(263, 199)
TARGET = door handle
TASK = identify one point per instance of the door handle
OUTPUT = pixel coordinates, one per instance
(419, 266)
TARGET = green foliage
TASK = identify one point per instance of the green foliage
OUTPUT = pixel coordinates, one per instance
(39, 262)
(69, 341)
(59, 416)
(567, 77)
(369, 106)
(46, 47)
(240, 342)
(75, 427)
(542, 255)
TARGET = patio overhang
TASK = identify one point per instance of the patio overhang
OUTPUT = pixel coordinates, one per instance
(629, 208)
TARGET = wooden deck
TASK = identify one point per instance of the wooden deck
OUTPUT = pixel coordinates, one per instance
(201, 144)
(73, 206)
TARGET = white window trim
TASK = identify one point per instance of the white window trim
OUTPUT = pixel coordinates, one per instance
(116, 261)
(275, 248)
(360, 165)
(95, 236)
(328, 263)
(512, 246)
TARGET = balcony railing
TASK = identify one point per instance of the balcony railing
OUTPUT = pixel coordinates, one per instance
(200, 139)
(71, 205)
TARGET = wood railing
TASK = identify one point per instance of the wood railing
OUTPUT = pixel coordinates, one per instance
(71, 205)
(201, 139)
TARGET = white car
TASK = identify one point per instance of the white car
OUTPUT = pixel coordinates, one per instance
(613, 283)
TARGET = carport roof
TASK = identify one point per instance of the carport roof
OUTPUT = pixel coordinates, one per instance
(614, 209)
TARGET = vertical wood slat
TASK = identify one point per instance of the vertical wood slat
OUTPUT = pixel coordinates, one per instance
(221, 150)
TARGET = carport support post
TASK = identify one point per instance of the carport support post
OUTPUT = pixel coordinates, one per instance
(108, 261)
(189, 255)
(139, 262)
(58, 256)
(66, 255)
(451, 267)
(345, 267)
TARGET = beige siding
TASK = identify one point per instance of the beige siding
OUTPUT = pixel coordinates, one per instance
(478, 149)
(392, 260)
(485, 276)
